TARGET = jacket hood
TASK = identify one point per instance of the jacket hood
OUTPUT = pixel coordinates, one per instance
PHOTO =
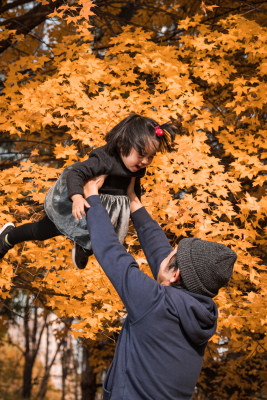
(197, 314)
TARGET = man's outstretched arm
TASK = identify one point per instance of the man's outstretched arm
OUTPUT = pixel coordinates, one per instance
(151, 236)
(137, 290)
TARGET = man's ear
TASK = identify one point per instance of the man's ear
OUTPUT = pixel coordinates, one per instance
(175, 276)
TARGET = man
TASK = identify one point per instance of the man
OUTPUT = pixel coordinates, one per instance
(170, 318)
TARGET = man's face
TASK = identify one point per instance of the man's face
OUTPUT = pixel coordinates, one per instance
(166, 276)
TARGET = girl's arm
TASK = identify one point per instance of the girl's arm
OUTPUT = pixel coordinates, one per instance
(97, 164)
(81, 172)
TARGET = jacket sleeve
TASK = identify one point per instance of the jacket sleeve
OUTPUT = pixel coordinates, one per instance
(152, 239)
(137, 290)
(81, 172)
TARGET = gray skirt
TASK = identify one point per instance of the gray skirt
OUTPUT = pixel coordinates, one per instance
(58, 208)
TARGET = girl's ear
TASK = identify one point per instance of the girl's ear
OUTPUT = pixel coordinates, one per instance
(175, 276)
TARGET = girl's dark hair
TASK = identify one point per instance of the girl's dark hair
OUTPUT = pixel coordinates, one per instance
(134, 132)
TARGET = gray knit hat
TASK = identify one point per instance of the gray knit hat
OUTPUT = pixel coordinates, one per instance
(205, 266)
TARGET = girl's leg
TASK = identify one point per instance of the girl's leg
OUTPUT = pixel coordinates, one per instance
(41, 230)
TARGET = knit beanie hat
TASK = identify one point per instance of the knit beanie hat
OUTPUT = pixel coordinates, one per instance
(205, 266)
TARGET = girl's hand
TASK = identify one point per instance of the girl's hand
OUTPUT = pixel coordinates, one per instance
(93, 185)
(78, 204)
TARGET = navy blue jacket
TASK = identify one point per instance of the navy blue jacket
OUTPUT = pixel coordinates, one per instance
(160, 348)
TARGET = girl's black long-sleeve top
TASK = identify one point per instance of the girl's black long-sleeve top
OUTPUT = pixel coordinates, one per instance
(102, 163)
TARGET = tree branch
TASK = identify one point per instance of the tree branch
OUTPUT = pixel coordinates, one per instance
(23, 24)
(9, 6)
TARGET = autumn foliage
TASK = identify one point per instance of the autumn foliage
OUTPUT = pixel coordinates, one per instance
(59, 102)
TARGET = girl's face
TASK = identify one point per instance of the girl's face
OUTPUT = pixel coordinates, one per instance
(135, 161)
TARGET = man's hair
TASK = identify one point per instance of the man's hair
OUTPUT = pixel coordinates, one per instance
(173, 263)
(135, 131)
(174, 266)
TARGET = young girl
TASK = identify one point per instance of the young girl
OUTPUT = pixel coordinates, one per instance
(131, 146)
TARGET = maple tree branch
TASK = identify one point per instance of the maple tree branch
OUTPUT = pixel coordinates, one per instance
(145, 6)
(18, 152)
(259, 344)
(170, 37)
(18, 50)
(10, 341)
(124, 20)
(40, 336)
(37, 37)
(20, 283)
(38, 14)
(154, 9)
(9, 309)
(230, 10)
(10, 164)
(23, 24)
(213, 18)
(26, 141)
(9, 6)
(205, 87)
(109, 25)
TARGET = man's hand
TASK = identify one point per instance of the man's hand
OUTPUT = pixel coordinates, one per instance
(93, 185)
(78, 204)
(135, 203)
(130, 190)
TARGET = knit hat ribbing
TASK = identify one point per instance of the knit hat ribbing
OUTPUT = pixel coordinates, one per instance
(205, 266)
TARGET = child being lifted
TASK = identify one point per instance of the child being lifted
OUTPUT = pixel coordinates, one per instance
(130, 147)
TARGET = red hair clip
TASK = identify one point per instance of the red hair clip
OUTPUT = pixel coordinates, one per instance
(159, 131)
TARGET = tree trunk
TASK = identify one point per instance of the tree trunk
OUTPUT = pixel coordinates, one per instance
(44, 383)
(32, 345)
(27, 377)
(88, 382)
(43, 387)
(28, 357)
(65, 363)
(77, 387)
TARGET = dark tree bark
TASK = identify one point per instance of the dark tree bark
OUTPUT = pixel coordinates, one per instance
(76, 364)
(32, 345)
(88, 382)
(66, 355)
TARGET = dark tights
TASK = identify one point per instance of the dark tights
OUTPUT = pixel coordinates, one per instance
(41, 230)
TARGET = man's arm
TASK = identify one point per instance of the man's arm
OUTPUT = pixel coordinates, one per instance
(151, 236)
(137, 290)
